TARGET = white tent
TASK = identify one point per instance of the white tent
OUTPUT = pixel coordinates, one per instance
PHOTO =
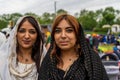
(2, 38)
(115, 28)
(7, 30)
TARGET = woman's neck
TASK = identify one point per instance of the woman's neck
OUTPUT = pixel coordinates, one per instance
(24, 55)
(67, 59)
(25, 52)
(68, 53)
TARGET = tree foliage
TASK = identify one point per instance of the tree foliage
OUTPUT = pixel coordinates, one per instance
(109, 15)
(90, 20)
(3, 24)
(60, 11)
(87, 20)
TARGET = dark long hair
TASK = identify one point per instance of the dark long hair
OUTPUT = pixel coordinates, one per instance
(38, 46)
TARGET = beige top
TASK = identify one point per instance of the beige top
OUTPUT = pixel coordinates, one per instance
(24, 72)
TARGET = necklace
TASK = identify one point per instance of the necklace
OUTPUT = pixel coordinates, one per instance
(67, 69)
(72, 61)
(23, 59)
(26, 60)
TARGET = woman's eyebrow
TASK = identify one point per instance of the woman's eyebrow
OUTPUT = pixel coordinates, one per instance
(69, 27)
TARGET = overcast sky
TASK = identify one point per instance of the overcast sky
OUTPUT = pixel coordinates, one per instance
(41, 6)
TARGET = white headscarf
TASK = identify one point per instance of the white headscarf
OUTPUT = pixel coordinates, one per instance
(8, 49)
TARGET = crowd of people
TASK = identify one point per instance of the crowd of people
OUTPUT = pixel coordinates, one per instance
(95, 40)
(32, 53)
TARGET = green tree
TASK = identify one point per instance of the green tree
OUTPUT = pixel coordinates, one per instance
(118, 20)
(109, 15)
(46, 18)
(6, 17)
(87, 22)
(15, 17)
(60, 11)
(3, 24)
(32, 14)
(87, 19)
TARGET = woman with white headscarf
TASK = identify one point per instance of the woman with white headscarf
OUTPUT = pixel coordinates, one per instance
(21, 55)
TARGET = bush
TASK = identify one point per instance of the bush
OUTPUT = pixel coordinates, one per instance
(100, 29)
(3, 24)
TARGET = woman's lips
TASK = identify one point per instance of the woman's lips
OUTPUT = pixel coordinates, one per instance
(26, 42)
(63, 43)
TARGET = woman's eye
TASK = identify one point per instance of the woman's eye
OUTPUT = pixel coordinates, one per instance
(69, 30)
(21, 30)
(32, 32)
(24, 31)
(57, 30)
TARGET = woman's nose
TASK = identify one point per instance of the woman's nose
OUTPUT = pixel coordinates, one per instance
(27, 35)
(63, 34)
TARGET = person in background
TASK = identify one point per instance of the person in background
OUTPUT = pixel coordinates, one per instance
(21, 55)
(91, 41)
(48, 42)
(70, 57)
(95, 43)
(116, 49)
(47, 36)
